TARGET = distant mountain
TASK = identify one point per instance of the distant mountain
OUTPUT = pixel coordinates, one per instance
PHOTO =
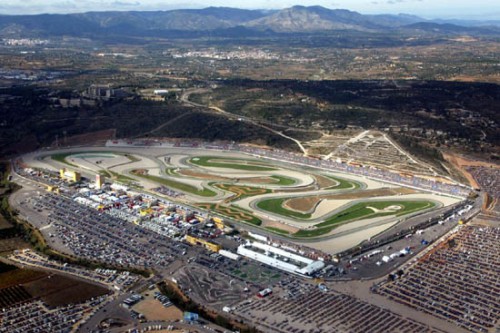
(210, 18)
(218, 21)
(307, 19)
(469, 23)
(448, 28)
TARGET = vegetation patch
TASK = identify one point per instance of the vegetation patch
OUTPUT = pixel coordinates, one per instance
(278, 230)
(343, 184)
(62, 158)
(241, 192)
(232, 212)
(283, 181)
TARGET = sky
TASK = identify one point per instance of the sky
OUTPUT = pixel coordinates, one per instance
(465, 9)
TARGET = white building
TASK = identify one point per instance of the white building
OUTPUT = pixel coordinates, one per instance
(281, 259)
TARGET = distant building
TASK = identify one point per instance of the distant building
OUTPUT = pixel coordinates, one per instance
(160, 91)
(104, 92)
(100, 91)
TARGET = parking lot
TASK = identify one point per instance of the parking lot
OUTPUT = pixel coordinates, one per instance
(102, 237)
(35, 316)
(458, 281)
(315, 311)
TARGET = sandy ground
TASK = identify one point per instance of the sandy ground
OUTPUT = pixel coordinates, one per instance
(153, 310)
(279, 225)
(326, 206)
(324, 182)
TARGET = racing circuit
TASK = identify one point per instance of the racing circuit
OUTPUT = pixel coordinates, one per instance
(327, 209)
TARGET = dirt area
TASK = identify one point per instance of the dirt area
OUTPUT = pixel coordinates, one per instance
(324, 182)
(57, 290)
(461, 163)
(19, 276)
(279, 225)
(306, 204)
(241, 191)
(153, 310)
(10, 244)
(140, 172)
(4, 224)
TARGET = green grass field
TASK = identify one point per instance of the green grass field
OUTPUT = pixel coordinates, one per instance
(343, 184)
(239, 164)
(277, 230)
(179, 186)
(360, 211)
(62, 158)
(276, 206)
(283, 181)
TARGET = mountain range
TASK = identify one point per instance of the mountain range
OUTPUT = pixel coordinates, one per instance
(297, 19)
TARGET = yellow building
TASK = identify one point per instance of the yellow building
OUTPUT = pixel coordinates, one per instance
(70, 175)
(54, 189)
(219, 223)
(208, 245)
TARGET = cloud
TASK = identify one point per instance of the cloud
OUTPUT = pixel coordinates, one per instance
(125, 4)
(396, 2)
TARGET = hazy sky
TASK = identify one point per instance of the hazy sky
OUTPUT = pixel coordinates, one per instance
(477, 9)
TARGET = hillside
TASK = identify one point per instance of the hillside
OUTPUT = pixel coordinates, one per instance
(222, 21)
